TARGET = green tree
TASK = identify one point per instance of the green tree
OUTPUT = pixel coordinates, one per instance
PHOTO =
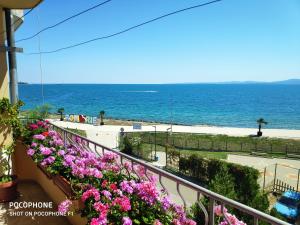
(40, 112)
(102, 113)
(126, 146)
(260, 122)
(223, 183)
(61, 112)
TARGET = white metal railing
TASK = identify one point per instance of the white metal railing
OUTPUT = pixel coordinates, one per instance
(214, 198)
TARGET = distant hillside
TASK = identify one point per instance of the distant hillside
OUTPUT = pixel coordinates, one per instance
(287, 82)
(290, 81)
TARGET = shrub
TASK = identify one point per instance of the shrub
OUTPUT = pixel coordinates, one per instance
(126, 146)
(231, 180)
(223, 183)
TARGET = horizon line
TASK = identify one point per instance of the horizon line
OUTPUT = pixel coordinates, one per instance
(210, 82)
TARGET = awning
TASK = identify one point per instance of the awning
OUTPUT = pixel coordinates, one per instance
(19, 4)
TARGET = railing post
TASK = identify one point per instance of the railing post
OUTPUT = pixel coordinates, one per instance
(166, 156)
(264, 179)
(255, 221)
(298, 179)
(275, 175)
(211, 212)
(65, 138)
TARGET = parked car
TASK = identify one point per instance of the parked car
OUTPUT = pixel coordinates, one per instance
(288, 205)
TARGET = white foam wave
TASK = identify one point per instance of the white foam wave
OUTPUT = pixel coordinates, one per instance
(140, 91)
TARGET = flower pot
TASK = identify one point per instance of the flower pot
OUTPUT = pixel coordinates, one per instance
(8, 190)
(64, 185)
(78, 205)
(44, 170)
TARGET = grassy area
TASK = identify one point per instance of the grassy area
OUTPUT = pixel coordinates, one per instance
(77, 131)
(218, 146)
(207, 154)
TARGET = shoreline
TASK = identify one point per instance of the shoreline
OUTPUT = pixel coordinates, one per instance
(130, 121)
(112, 125)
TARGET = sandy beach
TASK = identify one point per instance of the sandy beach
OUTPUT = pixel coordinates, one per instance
(108, 134)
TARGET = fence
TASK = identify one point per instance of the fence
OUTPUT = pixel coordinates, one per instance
(280, 186)
(176, 187)
(279, 178)
(221, 143)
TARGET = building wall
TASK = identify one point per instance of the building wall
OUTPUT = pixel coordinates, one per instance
(5, 132)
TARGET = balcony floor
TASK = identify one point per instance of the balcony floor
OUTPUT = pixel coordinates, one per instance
(30, 192)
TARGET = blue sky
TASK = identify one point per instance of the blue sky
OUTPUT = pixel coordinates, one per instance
(230, 40)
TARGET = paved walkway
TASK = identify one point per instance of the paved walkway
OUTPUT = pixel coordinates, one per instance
(30, 192)
(287, 169)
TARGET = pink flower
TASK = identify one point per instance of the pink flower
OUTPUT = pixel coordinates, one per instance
(109, 157)
(147, 191)
(104, 183)
(99, 221)
(157, 222)
(48, 161)
(127, 166)
(218, 210)
(140, 170)
(100, 207)
(123, 202)
(93, 192)
(96, 173)
(30, 152)
(107, 194)
(126, 221)
(39, 137)
(45, 151)
(176, 222)
(190, 222)
(33, 126)
(113, 187)
(33, 144)
(61, 152)
(126, 186)
(64, 206)
(166, 203)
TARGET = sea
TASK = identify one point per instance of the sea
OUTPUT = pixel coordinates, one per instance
(230, 105)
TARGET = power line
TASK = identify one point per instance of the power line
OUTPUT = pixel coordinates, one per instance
(124, 31)
(64, 20)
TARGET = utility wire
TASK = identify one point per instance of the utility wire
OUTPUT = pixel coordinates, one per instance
(124, 31)
(64, 20)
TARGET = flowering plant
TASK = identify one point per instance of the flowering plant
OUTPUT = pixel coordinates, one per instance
(226, 218)
(37, 127)
(112, 192)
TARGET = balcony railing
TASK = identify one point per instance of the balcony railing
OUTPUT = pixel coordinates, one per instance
(178, 188)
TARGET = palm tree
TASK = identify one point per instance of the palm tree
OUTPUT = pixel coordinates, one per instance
(61, 112)
(260, 122)
(101, 117)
